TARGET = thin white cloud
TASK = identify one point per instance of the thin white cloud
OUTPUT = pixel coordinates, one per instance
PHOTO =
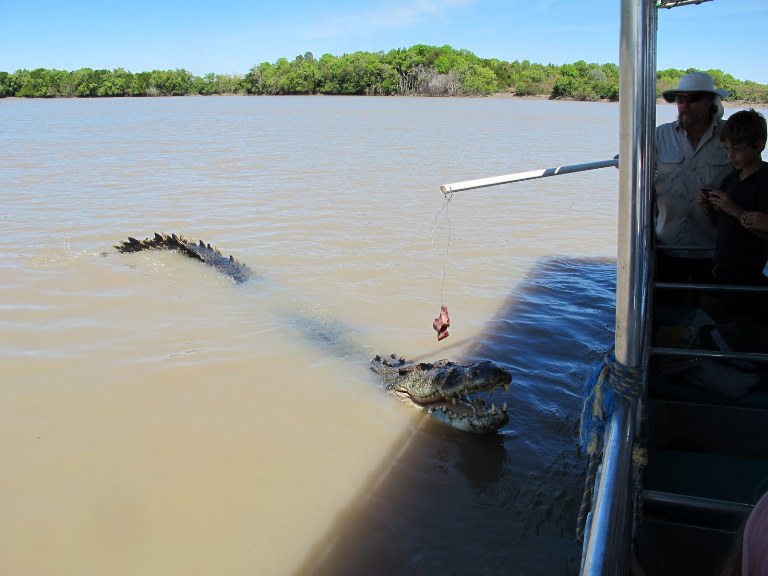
(394, 16)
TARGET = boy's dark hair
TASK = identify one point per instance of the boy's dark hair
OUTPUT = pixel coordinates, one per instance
(745, 127)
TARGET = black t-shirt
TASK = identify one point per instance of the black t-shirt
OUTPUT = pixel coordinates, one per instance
(740, 255)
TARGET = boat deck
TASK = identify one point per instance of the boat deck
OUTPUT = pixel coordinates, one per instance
(707, 460)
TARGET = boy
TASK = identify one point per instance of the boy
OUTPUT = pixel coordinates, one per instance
(740, 209)
(740, 251)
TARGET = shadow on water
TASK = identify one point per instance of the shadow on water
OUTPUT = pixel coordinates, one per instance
(445, 502)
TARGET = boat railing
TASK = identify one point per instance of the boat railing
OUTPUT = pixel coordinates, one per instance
(710, 287)
(705, 288)
(606, 545)
(703, 353)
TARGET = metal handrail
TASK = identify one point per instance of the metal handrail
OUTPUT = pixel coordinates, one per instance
(605, 550)
(691, 248)
(710, 287)
(701, 353)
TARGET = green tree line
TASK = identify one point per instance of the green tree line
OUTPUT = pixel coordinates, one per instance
(419, 70)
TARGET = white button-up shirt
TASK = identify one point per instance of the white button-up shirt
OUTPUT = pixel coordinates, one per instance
(680, 173)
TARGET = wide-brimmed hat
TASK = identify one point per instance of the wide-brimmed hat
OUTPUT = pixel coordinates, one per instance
(695, 82)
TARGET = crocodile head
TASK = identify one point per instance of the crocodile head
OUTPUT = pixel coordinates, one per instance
(449, 392)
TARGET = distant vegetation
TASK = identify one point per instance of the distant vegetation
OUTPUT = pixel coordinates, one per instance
(419, 70)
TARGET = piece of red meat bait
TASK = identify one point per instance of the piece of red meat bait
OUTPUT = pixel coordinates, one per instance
(441, 323)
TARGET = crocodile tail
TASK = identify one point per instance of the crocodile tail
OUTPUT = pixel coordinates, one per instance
(228, 266)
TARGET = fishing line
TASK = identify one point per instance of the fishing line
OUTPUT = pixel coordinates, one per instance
(447, 199)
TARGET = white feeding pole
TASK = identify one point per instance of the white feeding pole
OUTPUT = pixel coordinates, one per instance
(520, 176)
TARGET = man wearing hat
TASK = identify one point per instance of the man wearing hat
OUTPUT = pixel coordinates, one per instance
(689, 157)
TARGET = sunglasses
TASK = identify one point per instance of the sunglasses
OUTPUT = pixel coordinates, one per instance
(690, 98)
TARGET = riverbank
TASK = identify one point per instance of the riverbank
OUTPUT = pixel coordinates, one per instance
(730, 103)
(409, 72)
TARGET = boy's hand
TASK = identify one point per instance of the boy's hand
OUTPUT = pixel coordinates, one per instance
(756, 221)
(721, 201)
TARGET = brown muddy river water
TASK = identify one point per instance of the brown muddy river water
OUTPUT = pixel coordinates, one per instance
(159, 419)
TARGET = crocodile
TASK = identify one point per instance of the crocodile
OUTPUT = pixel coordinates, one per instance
(228, 266)
(449, 392)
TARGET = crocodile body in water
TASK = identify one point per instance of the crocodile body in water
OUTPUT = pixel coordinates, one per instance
(449, 392)
(228, 266)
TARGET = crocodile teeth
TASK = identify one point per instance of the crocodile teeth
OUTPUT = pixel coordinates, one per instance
(453, 400)
(504, 407)
(506, 387)
(493, 409)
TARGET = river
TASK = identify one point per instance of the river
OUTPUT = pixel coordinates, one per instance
(159, 419)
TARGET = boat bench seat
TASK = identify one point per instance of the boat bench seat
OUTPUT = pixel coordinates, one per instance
(708, 427)
(692, 511)
(678, 388)
(697, 479)
(687, 534)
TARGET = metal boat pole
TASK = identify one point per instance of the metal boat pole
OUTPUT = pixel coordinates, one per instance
(520, 176)
(610, 530)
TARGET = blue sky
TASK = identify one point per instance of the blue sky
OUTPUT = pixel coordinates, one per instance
(232, 36)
